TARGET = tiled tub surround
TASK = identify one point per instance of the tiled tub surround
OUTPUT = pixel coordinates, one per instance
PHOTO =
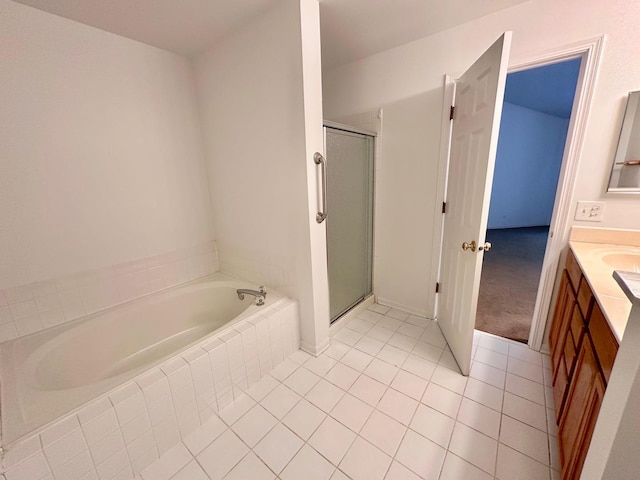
(124, 431)
(26, 309)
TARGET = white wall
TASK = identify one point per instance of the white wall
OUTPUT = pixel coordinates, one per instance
(528, 160)
(416, 70)
(101, 156)
(260, 96)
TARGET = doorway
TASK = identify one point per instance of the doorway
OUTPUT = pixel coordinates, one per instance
(535, 119)
(350, 167)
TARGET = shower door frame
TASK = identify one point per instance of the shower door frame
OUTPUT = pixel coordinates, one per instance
(374, 135)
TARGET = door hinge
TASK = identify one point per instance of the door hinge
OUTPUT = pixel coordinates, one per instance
(444, 207)
(437, 287)
(452, 112)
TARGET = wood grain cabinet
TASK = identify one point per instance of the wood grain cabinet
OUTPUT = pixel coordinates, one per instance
(583, 349)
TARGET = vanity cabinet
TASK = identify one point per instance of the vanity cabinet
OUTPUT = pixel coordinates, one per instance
(583, 349)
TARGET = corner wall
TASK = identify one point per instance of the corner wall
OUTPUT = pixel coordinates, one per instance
(416, 70)
(260, 100)
(101, 167)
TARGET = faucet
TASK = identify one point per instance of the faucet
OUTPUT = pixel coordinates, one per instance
(260, 294)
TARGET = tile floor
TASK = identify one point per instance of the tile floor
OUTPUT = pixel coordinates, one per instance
(386, 401)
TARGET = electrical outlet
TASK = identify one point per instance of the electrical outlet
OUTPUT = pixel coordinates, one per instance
(590, 211)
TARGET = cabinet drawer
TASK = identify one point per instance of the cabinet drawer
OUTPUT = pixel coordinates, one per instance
(573, 269)
(585, 297)
(606, 345)
(577, 326)
(570, 352)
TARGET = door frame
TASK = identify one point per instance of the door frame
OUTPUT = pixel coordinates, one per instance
(590, 51)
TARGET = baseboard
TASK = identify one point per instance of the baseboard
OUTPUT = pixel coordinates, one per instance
(405, 308)
(315, 350)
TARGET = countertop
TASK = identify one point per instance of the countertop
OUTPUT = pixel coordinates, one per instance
(589, 247)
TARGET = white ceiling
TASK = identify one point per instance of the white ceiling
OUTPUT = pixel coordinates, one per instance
(351, 29)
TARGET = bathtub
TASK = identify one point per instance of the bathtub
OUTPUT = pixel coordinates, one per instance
(49, 374)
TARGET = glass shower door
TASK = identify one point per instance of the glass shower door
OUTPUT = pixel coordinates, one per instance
(350, 218)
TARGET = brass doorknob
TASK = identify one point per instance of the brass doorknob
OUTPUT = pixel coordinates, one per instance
(486, 247)
(469, 246)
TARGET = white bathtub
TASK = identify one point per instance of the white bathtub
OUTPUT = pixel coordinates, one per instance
(50, 373)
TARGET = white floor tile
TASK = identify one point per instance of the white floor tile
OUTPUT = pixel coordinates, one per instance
(381, 371)
(278, 447)
(525, 388)
(419, 366)
(427, 351)
(236, 409)
(304, 418)
(342, 376)
(487, 395)
(299, 356)
(320, 365)
(168, 464)
(433, 425)
(191, 472)
(488, 374)
(474, 447)
(348, 336)
(393, 355)
(307, 464)
(222, 455)
(398, 406)
(254, 425)
(284, 369)
(250, 467)
(525, 439)
(280, 401)
(263, 387)
(399, 314)
(524, 353)
(402, 342)
(364, 461)
(489, 357)
(397, 471)
(380, 333)
(203, 436)
(552, 428)
(411, 330)
(495, 344)
(525, 369)
(513, 464)
(332, 439)
(356, 359)
(325, 395)
(368, 390)
(351, 412)
(337, 350)
(434, 337)
(359, 325)
(421, 456)
(455, 468)
(409, 384)
(450, 379)
(374, 313)
(301, 381)
(480, 418)
(526, 411)
(338, 475)
(389, 323)
(381, 309)
(369, 345)
(447, 359)
(384, 432)
(441, 399)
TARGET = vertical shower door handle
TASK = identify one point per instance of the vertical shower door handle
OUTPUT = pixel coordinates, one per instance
(319, 159)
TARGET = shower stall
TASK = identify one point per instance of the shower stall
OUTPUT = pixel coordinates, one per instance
(350, 174)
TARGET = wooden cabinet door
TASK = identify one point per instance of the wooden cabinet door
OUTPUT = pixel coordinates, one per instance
(559, 341)
(581, 411)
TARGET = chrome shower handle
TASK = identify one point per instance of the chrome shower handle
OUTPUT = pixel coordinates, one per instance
(319, 159)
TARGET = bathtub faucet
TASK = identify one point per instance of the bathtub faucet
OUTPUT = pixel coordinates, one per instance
(260, 294)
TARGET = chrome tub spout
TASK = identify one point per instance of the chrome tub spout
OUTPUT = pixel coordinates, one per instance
(260, 294)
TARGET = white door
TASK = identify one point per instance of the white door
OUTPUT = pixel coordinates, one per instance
(474, 140)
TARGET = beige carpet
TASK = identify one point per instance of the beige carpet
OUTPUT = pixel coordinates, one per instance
(509, 283)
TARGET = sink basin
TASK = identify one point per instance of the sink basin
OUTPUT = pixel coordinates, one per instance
(623, 261)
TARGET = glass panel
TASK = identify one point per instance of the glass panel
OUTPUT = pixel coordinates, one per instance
(350, 218)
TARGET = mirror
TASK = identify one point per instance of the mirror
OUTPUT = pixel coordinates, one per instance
(625, 174)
